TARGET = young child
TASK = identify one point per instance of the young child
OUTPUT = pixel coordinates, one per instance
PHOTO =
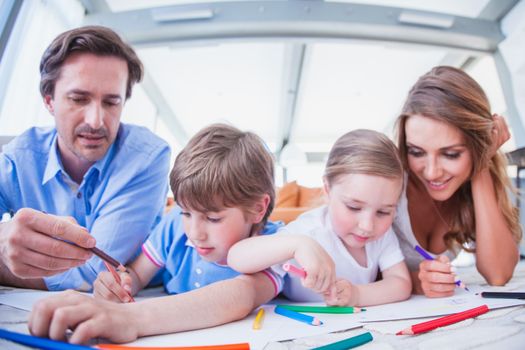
(223, 183)
(363, 181)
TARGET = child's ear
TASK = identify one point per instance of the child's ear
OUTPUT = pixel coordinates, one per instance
(326, 186)
(260, 208)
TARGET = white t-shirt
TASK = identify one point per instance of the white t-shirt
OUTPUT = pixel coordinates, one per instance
(407, 240)
(381, 254)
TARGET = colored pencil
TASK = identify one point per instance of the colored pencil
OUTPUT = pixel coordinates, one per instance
(39, 343)
(117, 277)
(104, 256)
(239, 346)
(503, 295)
(314, 321)
(324, 309)
(294, 270)
(257, 324)
(444, 321)
(348, 343)
(427, 256)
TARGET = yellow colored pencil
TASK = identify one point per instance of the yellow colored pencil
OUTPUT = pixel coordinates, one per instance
(257, 324)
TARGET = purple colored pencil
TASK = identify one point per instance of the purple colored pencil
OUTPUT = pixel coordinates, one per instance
(427, 256)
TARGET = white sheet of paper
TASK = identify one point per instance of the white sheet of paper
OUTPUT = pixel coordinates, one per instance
(274, 328)
(24, 300)
(419, 306)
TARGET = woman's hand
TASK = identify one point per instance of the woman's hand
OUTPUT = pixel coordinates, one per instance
(437, 277)
(500, 134)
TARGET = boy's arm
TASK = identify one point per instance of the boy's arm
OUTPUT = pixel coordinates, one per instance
(215, 304)
(258, 253)
(396, 281)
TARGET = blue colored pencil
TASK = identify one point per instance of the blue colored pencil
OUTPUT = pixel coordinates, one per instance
(314, 321)
(427, 256)
(39, 343)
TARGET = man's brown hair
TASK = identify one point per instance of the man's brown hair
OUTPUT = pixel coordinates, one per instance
(97, 40)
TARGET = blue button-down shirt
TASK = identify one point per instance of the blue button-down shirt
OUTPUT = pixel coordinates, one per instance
(120, 199)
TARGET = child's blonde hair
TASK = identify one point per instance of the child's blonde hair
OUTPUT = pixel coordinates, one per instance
(363, 152)
(223, 167)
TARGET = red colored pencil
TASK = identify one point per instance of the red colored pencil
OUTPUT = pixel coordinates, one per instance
(444, 321)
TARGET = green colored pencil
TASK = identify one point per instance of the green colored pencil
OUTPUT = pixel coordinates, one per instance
(348, 343)
(324, 309)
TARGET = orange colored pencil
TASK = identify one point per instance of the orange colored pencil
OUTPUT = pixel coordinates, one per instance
(444, 321)
(239, 346)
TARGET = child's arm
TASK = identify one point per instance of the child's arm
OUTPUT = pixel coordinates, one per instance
(215, 304)
(138, 275)
(395, 286)
(258, 253)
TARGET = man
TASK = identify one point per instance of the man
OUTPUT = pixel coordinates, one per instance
(90, 179)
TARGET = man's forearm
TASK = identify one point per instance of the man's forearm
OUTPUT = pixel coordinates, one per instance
(8, 279)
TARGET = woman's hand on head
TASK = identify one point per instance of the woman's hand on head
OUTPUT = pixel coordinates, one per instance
(500, 134)
(437, 277)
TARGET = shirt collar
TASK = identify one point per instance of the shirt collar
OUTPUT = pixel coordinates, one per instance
(54, 163)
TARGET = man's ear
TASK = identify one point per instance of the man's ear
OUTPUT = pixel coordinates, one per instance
(48, 102)
(260, 208)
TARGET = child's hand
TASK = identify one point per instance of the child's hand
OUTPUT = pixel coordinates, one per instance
(88, 318)
(319, 266)
(107, 287)
(342, 294)
(437, 277)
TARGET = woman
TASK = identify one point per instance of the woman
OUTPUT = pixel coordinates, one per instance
(456, 193)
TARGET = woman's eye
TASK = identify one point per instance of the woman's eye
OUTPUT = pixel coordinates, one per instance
(214, 220)
(414, 152)
(452, 155)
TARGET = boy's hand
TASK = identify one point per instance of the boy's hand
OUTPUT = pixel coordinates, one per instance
(343, 294)
(319, 266)
(107, 287)
(437, 277)
(87, 317)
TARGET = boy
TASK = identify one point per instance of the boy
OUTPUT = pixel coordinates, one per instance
(223, 182)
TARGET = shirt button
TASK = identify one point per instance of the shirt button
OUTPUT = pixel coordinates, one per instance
(198, 270)
(197, 284)
(79, 195)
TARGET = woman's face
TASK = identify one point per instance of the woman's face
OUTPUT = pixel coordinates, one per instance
(437, 155)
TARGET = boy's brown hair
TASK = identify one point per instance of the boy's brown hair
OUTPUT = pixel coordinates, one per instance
(223, 167)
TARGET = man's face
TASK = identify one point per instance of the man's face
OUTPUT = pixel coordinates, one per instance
(87, 104)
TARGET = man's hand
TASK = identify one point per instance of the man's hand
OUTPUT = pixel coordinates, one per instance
(32, 244)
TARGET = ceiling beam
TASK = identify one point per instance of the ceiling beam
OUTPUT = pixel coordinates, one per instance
(293, 69)
(299, 20)
(164, 110)
(495, 10)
